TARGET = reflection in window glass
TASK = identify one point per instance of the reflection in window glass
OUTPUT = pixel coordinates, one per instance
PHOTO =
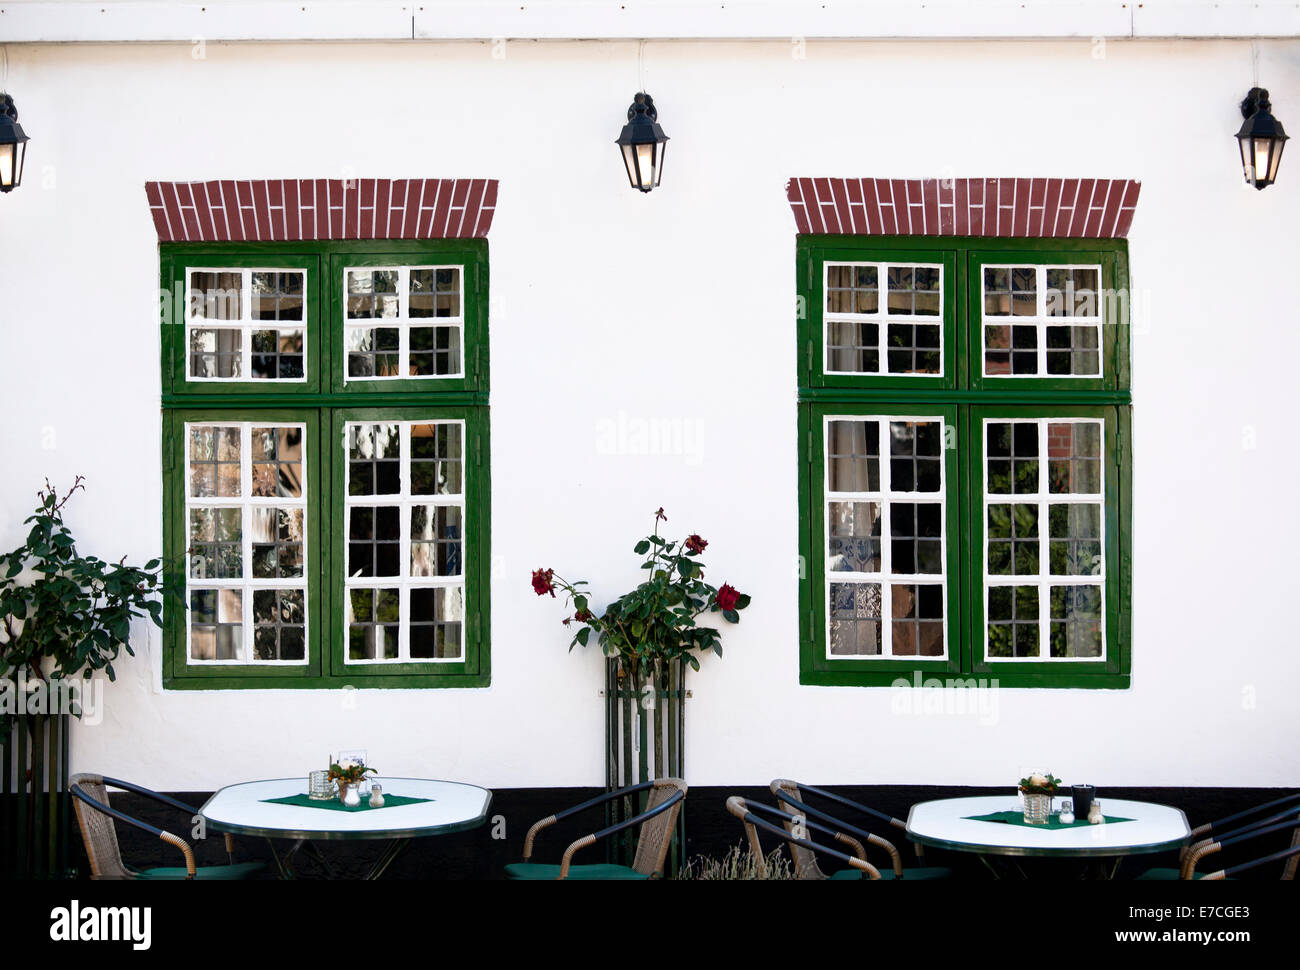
(247, 552)
(885, 539)
(227, 338)
(903, 333)
(405, 548)
(1044, 559)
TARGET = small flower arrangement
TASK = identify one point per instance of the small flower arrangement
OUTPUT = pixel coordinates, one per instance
(655, 620)
(1040, 784)
(348, 772)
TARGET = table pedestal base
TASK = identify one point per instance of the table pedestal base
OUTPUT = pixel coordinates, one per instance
(284, 858)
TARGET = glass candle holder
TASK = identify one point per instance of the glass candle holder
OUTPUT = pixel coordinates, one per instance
(319, 786)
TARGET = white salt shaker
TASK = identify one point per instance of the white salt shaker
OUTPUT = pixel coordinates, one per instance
(1094, 813)
(376, 796)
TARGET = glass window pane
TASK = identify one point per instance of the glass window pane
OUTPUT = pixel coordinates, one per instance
(435, 292)
(372, 294)
(216, 353)
(216, 295)
(437, 622)
(917, 628)
(374, 541)
(853, 454)
(374, 459)
(853, 347)
(374, 622)
(915, 456)
(1013, 621)
(277, 461)
(436, 534)
(1074, 457)
(855, 625)
(277, 296)
(852, 289)
(1076, 621)
(854, 529)
(214, 462)
(436, 459)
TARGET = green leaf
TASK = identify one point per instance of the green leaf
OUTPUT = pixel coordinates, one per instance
(731, 616)
(583, 635)
(642, 547)
(742, 601)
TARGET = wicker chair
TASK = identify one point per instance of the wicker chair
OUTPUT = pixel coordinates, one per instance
(793, 795)
(1192, 854)
(791, 833)
(95, 817)
(657, 823)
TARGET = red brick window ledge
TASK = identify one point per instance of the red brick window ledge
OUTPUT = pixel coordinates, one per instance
(1053, 208)
(277, 210)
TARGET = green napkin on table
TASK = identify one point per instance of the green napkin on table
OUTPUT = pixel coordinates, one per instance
(1053, 821)
(334, 805)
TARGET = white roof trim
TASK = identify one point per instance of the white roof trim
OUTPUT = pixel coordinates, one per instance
(125, 21)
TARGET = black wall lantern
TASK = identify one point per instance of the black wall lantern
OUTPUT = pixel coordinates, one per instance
(1261, 139)
(643, 143)
(13, 145)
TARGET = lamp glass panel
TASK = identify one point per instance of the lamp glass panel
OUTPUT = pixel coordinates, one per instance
(645, 161)
(1275, 159)
(7, 164)
(629, 161)
(1263, 147)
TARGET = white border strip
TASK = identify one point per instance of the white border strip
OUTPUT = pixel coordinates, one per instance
(118, 21)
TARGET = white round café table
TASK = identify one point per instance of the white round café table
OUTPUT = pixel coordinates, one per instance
(243, 810)
(946, 824)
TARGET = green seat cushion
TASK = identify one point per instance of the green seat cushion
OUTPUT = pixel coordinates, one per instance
(538, 870)
(1164, 874)
(918, 874)
(240, 870)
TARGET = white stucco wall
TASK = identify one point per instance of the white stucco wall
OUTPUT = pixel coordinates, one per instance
(678, 305)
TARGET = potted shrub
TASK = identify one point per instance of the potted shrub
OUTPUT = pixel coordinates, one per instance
(61, 614)
(650, 635)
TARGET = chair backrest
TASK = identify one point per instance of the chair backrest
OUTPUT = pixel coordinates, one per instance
(737, 807)
(805, 860)
(98, 832)
(656, 833)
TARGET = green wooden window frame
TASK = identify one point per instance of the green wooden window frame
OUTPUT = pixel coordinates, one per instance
(964, 398)
(324, 403)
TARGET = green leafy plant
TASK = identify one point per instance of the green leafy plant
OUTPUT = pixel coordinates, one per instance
(349, 772)
(1045, 784)
(657, 619)
(72, 609)
(738, 863)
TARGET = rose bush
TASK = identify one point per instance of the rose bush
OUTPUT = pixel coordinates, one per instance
(657, 619)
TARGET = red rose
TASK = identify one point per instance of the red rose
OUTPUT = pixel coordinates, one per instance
(584, 616)
(695, 545)
(727, 597)
(542, 582)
